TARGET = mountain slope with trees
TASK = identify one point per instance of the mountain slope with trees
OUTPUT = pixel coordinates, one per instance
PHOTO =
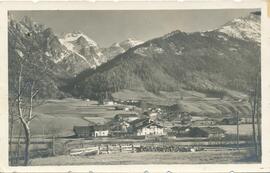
(213, 63)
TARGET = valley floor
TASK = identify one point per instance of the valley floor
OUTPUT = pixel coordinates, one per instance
(201, 157)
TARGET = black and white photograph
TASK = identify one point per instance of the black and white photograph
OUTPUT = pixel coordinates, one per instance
(134, 87)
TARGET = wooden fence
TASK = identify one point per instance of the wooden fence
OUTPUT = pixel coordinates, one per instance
(104, 149)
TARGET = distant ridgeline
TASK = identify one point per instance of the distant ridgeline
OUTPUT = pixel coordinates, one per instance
(212, 62)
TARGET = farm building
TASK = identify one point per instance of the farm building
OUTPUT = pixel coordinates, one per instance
(90, 131)
(150, 129)
(108, 102)
(83, 131)
(122, 128)
(139, 122)
(125, 108)
(101, 130)
(209, 132)
(146, 126)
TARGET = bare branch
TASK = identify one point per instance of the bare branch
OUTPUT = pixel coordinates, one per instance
(35, 93)
(33, 117)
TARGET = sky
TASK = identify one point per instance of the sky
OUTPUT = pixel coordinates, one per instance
(107, 27)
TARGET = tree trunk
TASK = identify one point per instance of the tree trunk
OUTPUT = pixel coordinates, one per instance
(18, 149)
(27, 143)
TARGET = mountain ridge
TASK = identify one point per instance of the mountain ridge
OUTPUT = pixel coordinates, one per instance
(212, 63)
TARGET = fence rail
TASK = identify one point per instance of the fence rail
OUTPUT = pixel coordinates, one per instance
(103, 149)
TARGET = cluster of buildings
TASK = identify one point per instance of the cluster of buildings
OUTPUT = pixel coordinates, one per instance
(122, 125)
(151, 124)
(157, 121)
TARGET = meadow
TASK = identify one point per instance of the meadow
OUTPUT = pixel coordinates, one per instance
(57, 117)
(222, 156)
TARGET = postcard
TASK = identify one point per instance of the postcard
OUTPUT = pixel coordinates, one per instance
(135, 86)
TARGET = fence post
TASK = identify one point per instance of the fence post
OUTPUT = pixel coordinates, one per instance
(53, 149)
(98, 149)
(82, 145)
(107, 149)
(120, 148)
(132, 148)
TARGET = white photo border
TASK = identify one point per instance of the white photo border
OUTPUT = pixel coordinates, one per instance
(138, 5)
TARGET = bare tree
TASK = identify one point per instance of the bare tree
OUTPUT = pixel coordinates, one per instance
(25, 109)
(27, 86)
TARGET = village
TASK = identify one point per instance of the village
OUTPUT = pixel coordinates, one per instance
(113, 128)
(156, 124)
(156, 121)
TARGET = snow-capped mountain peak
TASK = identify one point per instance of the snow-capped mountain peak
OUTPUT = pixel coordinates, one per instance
(245, 28)
(120, 47)
(130, 42)
(72, 38)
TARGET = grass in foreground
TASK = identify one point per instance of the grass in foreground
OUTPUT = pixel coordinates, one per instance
(202, 157)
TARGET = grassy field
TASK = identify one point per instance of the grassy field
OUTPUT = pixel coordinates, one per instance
(192, 101)
(244, 129)
(202, 157)
(59, 116)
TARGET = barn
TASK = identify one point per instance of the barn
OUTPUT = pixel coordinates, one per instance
(91, 131)
(101, 131)
(83, 131)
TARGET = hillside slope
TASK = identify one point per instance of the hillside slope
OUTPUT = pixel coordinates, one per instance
(212, 63)
(37, 48)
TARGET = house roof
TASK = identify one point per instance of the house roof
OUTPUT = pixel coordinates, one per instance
(101, 127)
(141, 120)
(82, 128)
(127, 115)
(91, 128)
(147, 124)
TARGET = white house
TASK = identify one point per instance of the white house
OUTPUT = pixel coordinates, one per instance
(101, 131)
(148, 127)
(151, 129)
